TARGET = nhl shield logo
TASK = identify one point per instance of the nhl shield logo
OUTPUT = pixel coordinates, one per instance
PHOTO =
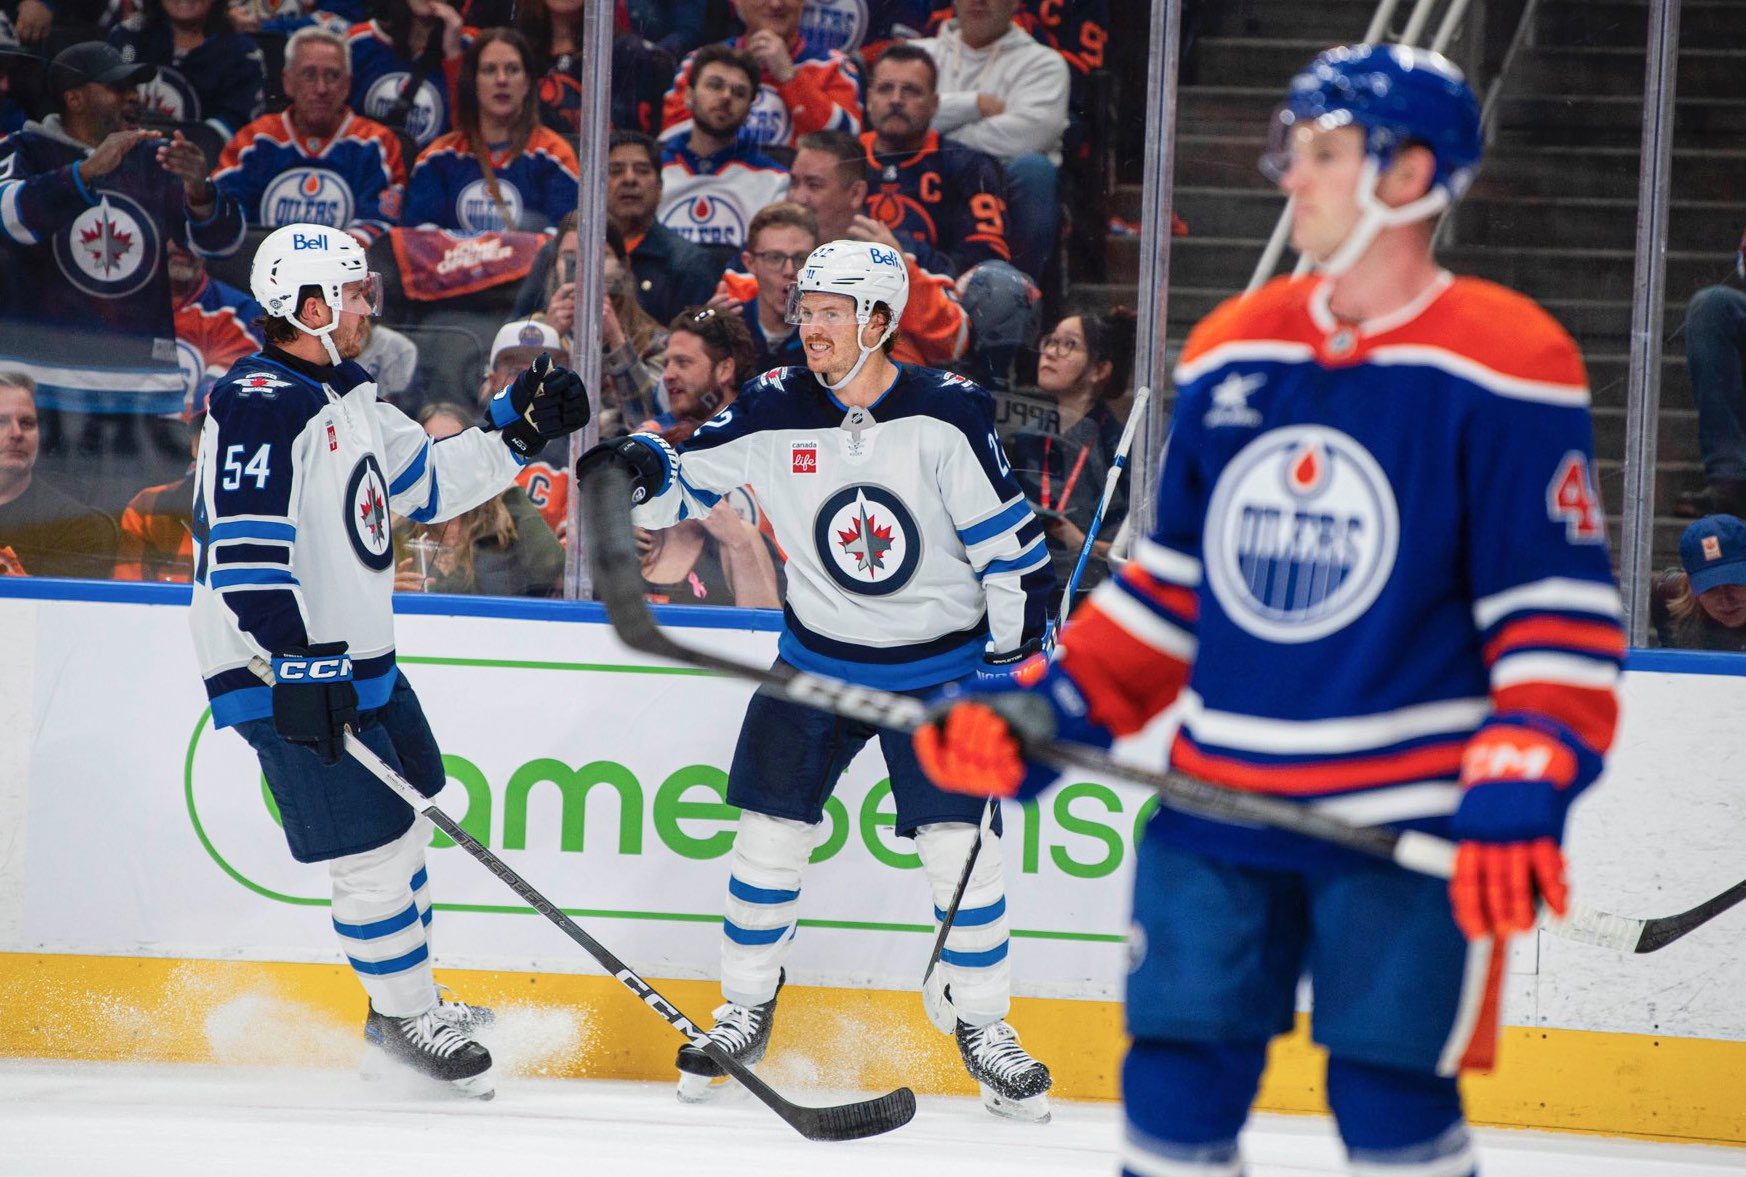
(1301, 534)
(867, 540)
(110, 250)
(366, 508)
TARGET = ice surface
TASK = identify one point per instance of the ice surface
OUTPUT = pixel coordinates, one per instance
(77, 1119)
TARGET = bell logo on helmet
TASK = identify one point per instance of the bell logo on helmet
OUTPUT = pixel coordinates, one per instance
(308, 241)
(883, 257)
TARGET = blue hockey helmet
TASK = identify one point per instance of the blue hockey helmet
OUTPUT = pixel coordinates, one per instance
(1398, 96)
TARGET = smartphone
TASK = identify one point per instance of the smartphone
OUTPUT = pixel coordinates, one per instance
(566, 268)
(1044, 513)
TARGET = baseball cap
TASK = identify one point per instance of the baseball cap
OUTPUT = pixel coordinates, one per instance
(1713, 551)
(95, 61)
(526, 333)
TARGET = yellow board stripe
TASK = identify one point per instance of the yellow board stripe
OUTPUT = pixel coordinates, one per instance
(148, 1009)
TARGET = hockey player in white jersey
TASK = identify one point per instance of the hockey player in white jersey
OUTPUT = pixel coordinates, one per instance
(913, 561)
(294, 566)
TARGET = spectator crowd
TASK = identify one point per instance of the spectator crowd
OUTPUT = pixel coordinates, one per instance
(147, 145)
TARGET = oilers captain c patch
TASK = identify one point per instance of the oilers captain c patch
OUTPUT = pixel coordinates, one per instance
(1301, 534)
(867, 540)
(366, 508)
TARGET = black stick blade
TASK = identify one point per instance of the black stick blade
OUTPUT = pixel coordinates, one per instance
(1659, 933)
(856, 1121)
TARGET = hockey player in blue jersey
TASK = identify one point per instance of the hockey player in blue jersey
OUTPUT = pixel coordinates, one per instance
(913, 561)
(1378, 585)
(299, 466)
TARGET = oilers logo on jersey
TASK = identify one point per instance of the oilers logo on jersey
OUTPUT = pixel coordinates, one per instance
(867, 540)
(834, 24)
(111, 249)
(422, 117)
(311, 196)
(477, 212)
(707, 220)
(1301, 534)
(367, 514)
(769, 120)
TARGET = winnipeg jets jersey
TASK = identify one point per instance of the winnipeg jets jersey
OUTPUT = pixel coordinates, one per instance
(911, 549)
(1371, 541)
(299, 466)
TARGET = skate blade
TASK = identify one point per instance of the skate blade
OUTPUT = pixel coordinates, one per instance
(702, 1088)
(397, 1079)
(1031, 1110)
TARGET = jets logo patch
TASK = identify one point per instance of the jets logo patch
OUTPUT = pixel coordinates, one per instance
(366, 508)
(110, 250)
(867, 540)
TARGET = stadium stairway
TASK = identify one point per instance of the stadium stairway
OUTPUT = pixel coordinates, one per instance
(1553, 212)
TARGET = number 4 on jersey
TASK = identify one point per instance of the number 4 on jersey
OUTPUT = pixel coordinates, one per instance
(1571, 499)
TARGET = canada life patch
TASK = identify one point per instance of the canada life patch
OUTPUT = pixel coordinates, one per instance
(1301, 534)
(804, 455)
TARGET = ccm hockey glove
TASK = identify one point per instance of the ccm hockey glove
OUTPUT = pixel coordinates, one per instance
(1518, 776)
(649, 460)
(314, 699)
(543, 403)
(975, 733)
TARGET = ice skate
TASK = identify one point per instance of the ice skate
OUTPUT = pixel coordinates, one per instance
(1014, 1084)
(463, 1016)
(741, 1030)
(430, 1045)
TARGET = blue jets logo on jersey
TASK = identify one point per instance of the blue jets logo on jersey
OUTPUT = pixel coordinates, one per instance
(169, 95)
(110, 250)
(1301, 534)
(366, 507)
(477, 212)
(769, 120)
(707, 220)
(833, 24)
(307, 196)
(867, 540)
(422, 118)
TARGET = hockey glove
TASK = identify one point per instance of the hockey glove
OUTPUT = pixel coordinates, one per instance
(1518, 775)
(648, 459)
(543, 403)
(973, 739)
(1005, 666)
(313, 698)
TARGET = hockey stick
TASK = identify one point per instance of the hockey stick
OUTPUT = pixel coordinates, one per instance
(611, 552)
(848, 1121)
(1141, 399)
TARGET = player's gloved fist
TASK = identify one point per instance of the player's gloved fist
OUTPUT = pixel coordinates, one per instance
(1004, 666)
(648, 459)
(314, 699)
(973, 738)
(544, 402)
(1518, 777)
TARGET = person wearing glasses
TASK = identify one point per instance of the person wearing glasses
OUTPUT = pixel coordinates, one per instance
(712, 180)
(316, 162)
(1083, 365)
(780, 239)
(299, 466)
(913, 561)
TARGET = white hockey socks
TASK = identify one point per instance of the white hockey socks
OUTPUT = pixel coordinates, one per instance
(974, 957)
(763, 895)
(381, 913)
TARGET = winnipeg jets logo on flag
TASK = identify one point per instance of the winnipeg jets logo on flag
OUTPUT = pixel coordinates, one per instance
(1301, 534)
(1230, 398)
(366, 505)
(867, 540)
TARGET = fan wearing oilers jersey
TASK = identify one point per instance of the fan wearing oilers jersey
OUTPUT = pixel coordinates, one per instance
(913, 561)
(1379, 586)
(299, 465)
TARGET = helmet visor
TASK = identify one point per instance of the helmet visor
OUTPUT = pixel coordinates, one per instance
(368, 288)
(824, 309)
(1292, 129)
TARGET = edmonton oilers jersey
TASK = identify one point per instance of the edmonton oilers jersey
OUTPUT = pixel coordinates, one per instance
(711, 200)
(214, 329)
(1371, 538)
(849, 25)
(823, 95)
(221, 81)
(911, 550)
(351, 180)
(945, 202)
(86, 293)
(299, 468)
(379, 75)
(449, 191)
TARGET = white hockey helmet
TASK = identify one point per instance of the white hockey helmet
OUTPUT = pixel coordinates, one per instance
(296, 256)
(865, 271)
